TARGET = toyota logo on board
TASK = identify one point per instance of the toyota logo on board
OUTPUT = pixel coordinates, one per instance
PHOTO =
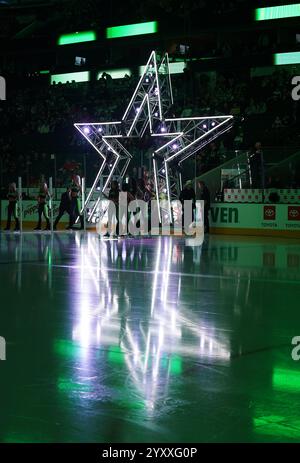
(269, 212)
(294, 213)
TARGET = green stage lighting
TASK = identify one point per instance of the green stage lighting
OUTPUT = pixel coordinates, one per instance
(77, 37)
(131, 29)
(277, 12)
(287, 58)
(83, 76)
(115, 73)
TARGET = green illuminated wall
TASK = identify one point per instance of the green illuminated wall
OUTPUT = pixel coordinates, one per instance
(131, 29)
(287, 58)
(77, 37)
(277, 12)
(115, 73)
(83, 76)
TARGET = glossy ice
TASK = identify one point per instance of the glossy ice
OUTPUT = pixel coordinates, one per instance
(145, 340)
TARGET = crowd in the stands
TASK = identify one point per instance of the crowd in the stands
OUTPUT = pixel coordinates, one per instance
(41, 112)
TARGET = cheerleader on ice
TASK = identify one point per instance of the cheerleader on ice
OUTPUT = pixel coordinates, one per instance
(12, 208)
(43, 209)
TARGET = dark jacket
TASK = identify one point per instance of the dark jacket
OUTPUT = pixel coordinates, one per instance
(188, 194)
(204, 195)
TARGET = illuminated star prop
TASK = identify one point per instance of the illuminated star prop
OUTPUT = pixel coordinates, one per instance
(179, 138)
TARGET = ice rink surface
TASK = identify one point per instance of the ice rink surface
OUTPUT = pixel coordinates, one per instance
(149, 340)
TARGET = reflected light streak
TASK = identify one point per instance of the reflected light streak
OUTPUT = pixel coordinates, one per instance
(155, 349)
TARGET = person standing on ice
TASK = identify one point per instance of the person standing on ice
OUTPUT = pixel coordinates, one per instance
(43, 209)
(75, 207)
(64, 206)
(12, 207)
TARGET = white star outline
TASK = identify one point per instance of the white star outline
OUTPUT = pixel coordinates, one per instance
(150, 103)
